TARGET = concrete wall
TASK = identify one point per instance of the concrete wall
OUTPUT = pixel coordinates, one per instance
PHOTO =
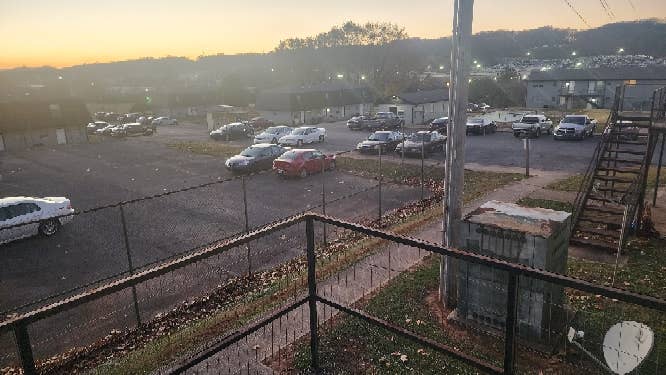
(337, 113)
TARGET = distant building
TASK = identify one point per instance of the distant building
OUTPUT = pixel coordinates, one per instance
(593, 88)
(299, 105)
(29, 123)
(419, 107)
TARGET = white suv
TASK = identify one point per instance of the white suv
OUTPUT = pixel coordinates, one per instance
(42, 216)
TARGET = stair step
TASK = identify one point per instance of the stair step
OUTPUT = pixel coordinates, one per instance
(594, 243)
(614, 234)
(611, 190)
(599, 198)
(626, 161)
(602, 219)
(620, 170)
(622, 180)
(630, 152)
(628, 142)
(633, 117)
(605, 209)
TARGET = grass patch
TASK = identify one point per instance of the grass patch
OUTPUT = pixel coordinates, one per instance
(546, 203)
(477, 183)
(643, 273)
(207, 148)
(572, 183)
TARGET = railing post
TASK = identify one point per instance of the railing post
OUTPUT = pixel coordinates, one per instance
(661, 156)
(510, 324)
(247, 227)
(24, 349)
(379, 194)
(312, 293)
(130, 265)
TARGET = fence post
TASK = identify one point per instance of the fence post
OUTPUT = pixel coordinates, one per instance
(24, 349)
(661, 155)
(323, 198)
(422, 174)
(379, 195)
(130, 265)
(247, 227)
(312, 292)
(510, 326)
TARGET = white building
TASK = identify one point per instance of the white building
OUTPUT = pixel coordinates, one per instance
(418, 107)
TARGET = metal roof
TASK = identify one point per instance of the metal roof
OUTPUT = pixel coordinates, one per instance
(426, 96)
(600, 74)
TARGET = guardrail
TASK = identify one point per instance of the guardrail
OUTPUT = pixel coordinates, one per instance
(19, 324)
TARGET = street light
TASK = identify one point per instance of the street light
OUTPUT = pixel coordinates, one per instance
(362, 77)
(620, 50)
(528, 53)
(441, 67)
(478, 65)
(573, 53)
(59, 77)
(340, 76)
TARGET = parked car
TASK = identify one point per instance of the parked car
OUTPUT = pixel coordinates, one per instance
(164, 121)
(272, 134)
(131, 129)
(385, 121)
(303, 162)
(93, 127)
(255, 157)
(359, 122)
(44, 215)
(532, 125)
(235, 130)
(260, 123)
(479, 125)
(439, 124)
(106, 130)
(574, 127)
(424, 141)
(380, 140)
(303, 135)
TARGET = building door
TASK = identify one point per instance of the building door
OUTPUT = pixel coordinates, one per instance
(393, 109)
(61, 138)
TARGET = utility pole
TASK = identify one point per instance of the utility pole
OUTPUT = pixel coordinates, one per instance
(455, 145)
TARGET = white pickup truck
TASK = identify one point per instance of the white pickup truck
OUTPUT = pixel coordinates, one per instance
(532, 125)
(303, 135)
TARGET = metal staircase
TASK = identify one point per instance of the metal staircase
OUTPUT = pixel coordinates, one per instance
(611, 195)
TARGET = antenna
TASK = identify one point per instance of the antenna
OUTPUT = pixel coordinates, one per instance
(625, 346)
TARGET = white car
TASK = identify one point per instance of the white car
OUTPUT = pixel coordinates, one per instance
(575, 127)
(532, 125)
(164, 121)
(42, 216)
(272, 134)
(303, 135)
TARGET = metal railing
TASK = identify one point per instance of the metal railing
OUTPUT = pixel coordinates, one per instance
(19, 324)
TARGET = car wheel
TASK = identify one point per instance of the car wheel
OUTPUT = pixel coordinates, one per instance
(303, 173)
(274, 141)
(49, 227)
(299, 143)
(537, 133)
(321, 139)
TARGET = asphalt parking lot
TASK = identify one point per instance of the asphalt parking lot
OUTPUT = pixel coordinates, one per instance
(92, 247)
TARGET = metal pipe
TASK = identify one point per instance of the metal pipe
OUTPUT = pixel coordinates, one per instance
(312, 293)
(656, 183)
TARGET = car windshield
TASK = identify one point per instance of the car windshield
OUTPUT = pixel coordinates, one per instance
(574, 120)
(289, 155)
(530, 120)
(252, 152)
(420, 137)
(272, 130)
(298, 131)
(378, 137)
(440, 120)
(475, 121)
(383, 114)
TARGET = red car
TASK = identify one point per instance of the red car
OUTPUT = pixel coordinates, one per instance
(303, 162)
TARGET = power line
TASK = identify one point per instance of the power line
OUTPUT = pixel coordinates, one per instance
(577, 13)
(607, 8)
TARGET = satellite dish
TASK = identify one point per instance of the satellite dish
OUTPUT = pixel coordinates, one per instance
(626, 345)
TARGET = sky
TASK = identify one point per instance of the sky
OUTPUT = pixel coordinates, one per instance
(70, 32)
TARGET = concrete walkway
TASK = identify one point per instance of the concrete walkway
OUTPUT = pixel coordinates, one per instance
(347, 287)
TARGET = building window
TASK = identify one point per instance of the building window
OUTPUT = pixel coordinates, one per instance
(55, 110)
(630, 82)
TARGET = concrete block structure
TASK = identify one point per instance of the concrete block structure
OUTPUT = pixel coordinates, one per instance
(534, 237)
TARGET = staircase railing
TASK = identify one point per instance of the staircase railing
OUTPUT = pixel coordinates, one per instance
(588, 176)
